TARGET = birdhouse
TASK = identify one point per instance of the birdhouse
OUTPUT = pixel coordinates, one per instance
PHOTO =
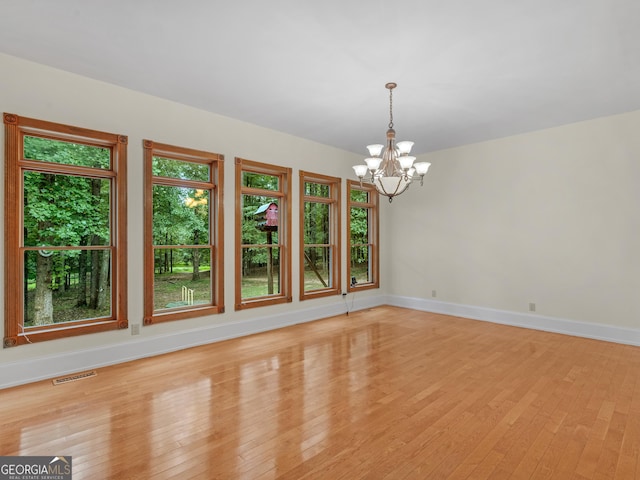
(268, 216)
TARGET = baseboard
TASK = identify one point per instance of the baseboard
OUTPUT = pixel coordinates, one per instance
(608, 333)
(51, 366)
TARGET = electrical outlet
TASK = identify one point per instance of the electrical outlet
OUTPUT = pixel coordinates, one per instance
(532, 307)
(135, 329)
(434, 294)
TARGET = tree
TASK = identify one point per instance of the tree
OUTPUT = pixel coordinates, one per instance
(359, 235)
(60, 210)
(180, 214)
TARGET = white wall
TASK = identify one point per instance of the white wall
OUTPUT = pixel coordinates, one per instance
(32, 90)
(550, 217)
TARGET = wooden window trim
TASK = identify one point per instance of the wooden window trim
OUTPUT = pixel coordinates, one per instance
(374, 236)
(284, 193)
(216, 234)
(16, 127)
(334, 184)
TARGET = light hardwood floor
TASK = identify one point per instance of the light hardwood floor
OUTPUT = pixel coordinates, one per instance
(386, 393)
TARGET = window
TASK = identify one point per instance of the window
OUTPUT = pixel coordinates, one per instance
(65, 231)
(363, 236)
(183, 233)
(319, 235)
(263, 234)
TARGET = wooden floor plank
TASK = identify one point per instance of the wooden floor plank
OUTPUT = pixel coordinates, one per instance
(384, 393)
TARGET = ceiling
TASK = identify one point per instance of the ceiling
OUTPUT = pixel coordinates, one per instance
(466, 70)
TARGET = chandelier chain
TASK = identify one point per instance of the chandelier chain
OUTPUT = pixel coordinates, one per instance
(391, 108)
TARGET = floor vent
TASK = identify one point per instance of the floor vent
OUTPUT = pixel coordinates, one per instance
(74, 377)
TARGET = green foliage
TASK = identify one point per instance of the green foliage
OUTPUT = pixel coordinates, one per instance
(316, 223)
(359, 225)
(181, 214)
(68, 153)
(252, 232)
(260, 264)
(260, 180)
(313, 189)
(63, 210)
(360, 196)
(74, 210)
(170, 168)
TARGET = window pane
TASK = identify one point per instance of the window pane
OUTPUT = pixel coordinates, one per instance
(182, 277)
(316, 223)
(180, 215)
(260, 220)
(359, 225)
(359, 196)
(68, 153)
(360, 264)
(316, 189)
(317, 268)
(63, 286)
(260, 271)
(64, 210)
(260, 180)
(168, 167)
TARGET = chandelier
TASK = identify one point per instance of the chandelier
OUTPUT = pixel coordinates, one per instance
(390, 166)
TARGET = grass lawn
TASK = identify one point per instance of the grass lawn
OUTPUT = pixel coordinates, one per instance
(168, 288)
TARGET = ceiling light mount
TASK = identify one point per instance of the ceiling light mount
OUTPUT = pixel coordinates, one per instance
(390, 166)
